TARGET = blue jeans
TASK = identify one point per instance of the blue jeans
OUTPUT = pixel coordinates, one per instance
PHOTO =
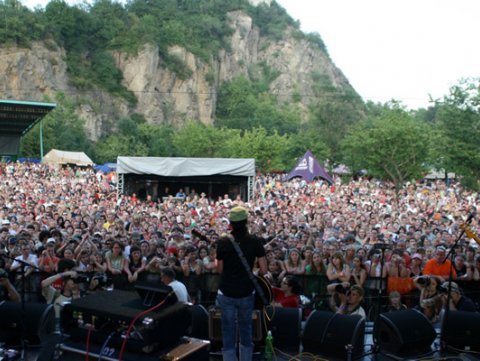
(236, 311)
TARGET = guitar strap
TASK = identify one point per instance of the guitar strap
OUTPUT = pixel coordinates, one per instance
(249, 271)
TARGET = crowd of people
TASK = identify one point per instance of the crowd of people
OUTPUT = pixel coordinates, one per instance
(349, 240)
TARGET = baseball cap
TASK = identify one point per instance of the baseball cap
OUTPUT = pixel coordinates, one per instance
(455, 287)
(51, 240)
(417, 255)
(5, 222)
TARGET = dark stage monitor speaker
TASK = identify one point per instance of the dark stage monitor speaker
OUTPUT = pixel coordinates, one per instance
(461, 330)
(286, 325)
(404, 333)
(152, 294)
(329, 334)
(39, 322)
(199, 327)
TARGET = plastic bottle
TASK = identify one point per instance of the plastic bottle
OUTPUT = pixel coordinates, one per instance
(269, 346)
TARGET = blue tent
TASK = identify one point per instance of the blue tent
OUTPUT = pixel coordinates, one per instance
(31, 160)
(106, 168)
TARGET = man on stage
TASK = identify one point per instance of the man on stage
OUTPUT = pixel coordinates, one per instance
(235, 297)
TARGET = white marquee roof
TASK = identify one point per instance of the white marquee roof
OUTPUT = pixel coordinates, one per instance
(185, 167)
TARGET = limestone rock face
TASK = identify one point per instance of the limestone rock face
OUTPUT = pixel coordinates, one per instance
(163, 97)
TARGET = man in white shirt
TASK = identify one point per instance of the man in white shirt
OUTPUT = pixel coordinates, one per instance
(168, 278)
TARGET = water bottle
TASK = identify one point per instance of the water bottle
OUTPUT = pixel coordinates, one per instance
(269, 346)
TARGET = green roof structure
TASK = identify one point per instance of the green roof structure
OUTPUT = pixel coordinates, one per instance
(16, 119)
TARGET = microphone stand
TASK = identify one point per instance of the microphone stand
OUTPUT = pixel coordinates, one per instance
(22, 301)
(382, 247)
(451, 254)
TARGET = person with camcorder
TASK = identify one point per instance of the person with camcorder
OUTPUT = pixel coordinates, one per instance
(430, 301)
(346, 300)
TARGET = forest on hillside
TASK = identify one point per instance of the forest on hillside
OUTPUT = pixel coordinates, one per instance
(386, 140)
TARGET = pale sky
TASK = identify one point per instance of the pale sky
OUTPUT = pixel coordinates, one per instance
(401, 49)
(392, 49)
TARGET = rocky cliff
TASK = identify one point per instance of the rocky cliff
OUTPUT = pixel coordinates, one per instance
(41, 71)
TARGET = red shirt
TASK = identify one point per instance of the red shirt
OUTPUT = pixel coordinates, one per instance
(285, 301)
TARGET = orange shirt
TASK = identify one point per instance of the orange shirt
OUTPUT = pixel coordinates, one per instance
(432, 268)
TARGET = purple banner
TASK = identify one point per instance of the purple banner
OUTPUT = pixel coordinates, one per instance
(308, 168)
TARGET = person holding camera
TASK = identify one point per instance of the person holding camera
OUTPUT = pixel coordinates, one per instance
(458, 302)
(288, 295)
(430, 301)
(61, 287)
(346, 300)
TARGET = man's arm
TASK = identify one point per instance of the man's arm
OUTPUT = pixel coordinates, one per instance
(12, 293)
(262, 264)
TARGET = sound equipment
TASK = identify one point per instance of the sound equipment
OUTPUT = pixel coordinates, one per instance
(199, 326)
(110, 313)
(152, 294)
(285, 324)
(39, 322)
(404, 333)
(76, 351)
(215, 325)
(461, 330)
(334, 335)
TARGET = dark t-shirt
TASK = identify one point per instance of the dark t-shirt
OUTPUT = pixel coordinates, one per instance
(234, 280)
(465, 304)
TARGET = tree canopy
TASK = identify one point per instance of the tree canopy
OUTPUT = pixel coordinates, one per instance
(392, 146)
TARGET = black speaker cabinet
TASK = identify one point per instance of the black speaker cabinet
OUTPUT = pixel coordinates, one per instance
(199, 327)
(461, 330)
(39, 322)
(215, 325)
(286, 325)
(404, 333)
(329, 334)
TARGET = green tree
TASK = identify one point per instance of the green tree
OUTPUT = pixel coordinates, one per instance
(18, 25)
(109, 148)
(62, 129)
(158, 139)
(333, 116)
(391, 146)
(198, 140)
(458, 120)
(267, 149)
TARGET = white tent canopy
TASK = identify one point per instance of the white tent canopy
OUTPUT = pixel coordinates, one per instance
(185, 167)
(60, 157)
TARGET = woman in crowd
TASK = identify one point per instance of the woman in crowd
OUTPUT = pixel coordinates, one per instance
(136, 265)
(116, 264)
(337, 270)
(416, 265)
(316, 272)
(275, 273)
(294, 264)
(430, 297)
(288, 295)
(359, 272)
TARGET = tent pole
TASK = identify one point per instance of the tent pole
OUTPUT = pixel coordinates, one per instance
(41, 140)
